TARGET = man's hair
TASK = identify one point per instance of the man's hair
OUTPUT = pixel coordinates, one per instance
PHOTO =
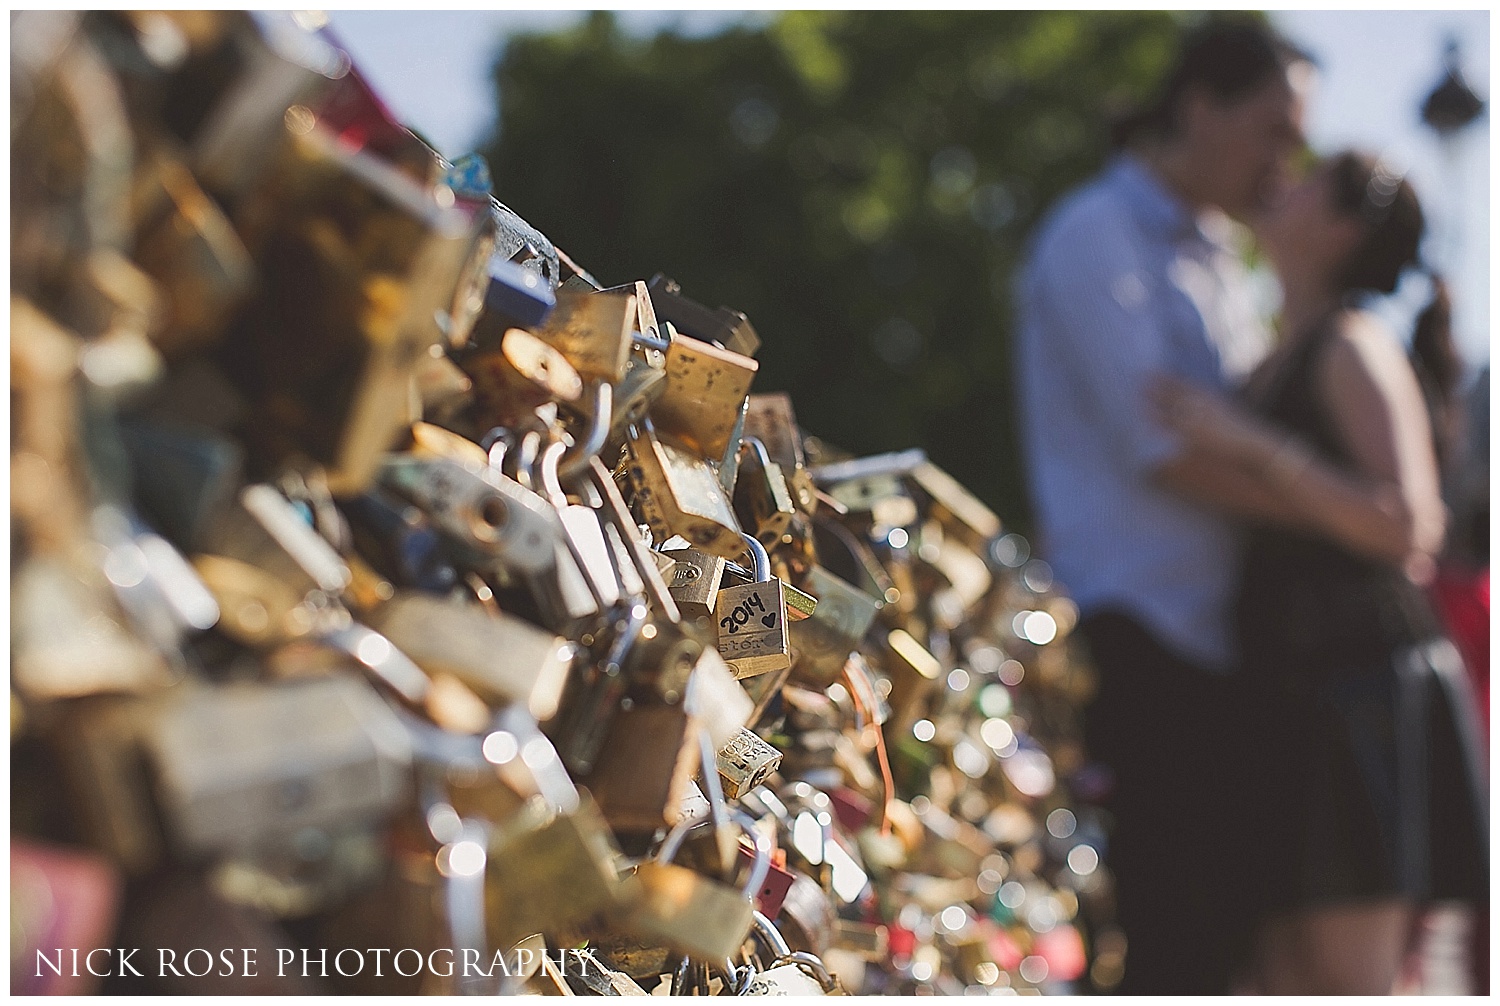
(1230, 59)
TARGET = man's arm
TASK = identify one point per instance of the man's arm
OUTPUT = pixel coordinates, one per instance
(1226, 486)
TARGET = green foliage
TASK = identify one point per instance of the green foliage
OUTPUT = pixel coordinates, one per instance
(860, 184)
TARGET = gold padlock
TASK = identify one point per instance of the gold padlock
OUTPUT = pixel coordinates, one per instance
(187, 244)
(695, 581)
(544, 876)
(500, 657)
(643, 770)
(592, 332)
(706, 387)
(824, 641)
(369, 258)
(959, 511)
(751, 621)
(678, 494)
(762, 498)
(745, 762)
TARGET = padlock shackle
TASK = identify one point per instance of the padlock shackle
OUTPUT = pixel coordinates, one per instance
(762, 559)
(577, 463)
(763, 455)
(758, 870)
(771, 936)
(814, 964)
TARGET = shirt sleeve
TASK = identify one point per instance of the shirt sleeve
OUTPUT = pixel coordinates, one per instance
(1105, 316)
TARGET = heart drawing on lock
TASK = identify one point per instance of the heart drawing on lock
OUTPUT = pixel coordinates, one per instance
(769, 621)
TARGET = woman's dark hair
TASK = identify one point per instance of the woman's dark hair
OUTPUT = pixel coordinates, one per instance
(1394, 225)
(1231, 59)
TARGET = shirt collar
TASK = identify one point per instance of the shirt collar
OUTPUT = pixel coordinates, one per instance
(1161, 209)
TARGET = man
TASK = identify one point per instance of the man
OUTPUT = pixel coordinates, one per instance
(1130, 276)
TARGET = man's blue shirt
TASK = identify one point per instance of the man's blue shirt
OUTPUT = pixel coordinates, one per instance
(1124, 282)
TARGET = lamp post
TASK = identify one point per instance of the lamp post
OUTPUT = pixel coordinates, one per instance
(1449, 109)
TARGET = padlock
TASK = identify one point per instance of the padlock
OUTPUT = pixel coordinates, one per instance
(913, 673)
(727, 327)
(959, 511)
(234, 134)
(823, 642)
(503, 659)
(521, 374)
(695, 581)
(242, 765)
(717, 701)
(762, 498)
(592, 332)
(677, 493)
(771, 420)
(790, 972)
(370, 259)
(542, 875)
(489, 515)
(751, 621)
(686, 910)
(745, 762)
(513, 296)
(641, 773)
(399, 540)
(186, 243)
(704, 396)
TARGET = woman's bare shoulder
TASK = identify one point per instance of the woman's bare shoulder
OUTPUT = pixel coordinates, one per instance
(1362, 349)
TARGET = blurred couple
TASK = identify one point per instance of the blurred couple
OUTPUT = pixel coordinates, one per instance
(1247, 524)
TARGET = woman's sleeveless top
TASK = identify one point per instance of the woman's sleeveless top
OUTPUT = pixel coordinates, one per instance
(1307, 606)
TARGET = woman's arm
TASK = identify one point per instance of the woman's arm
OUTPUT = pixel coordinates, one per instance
(1392, 512)
(1374, 401)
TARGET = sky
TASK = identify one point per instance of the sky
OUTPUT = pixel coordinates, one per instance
(1375, 67)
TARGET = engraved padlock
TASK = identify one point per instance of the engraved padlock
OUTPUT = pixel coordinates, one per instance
(695, 581)
(751, 621)
(791, 973)
(745, 762)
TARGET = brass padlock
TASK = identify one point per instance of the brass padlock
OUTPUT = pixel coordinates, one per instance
(959, 511)
(358, 262)
(688, 911)
(544, 875)
(745, 762)
(592, 332)
(913, 672)
(824, 641)
(678, 494)
(642, 772)
(520, 375)
(695, 581)
(185, 242)
(762, 498)
(751, 621)
(706, 389)
(500, 657)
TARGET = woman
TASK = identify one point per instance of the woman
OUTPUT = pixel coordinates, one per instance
(1360, 734)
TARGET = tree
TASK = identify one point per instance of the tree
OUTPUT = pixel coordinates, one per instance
(860, 184)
